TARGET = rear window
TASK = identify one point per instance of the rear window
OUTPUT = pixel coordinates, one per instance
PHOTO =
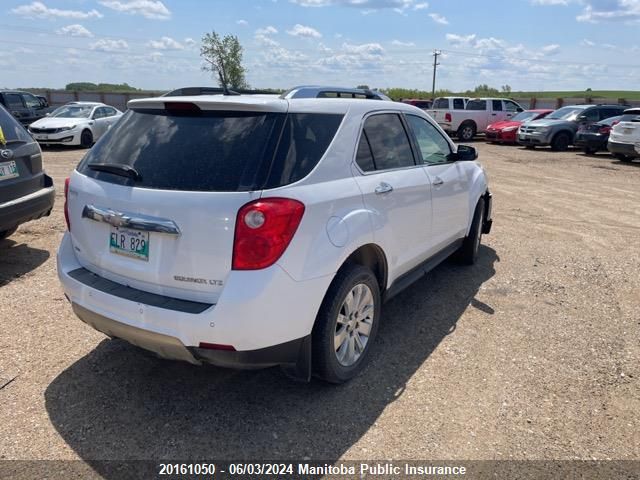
(12, 131)
(630, 117)
(220, 151)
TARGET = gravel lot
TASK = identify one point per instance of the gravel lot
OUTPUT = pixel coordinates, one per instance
(532, 354)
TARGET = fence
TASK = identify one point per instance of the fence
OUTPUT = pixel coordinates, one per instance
(120, 99)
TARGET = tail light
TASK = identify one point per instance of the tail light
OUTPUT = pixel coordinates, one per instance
(447, 117)
(604, 130)
(264, 229)
(66, 203)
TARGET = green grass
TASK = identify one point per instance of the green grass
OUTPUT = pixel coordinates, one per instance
(613, 94)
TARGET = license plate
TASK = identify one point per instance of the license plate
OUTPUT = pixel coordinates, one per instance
(41, 137)
(627, 131)
(129, 242)
(8, 170)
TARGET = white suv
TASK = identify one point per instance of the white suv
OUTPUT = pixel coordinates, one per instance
(624, 139)
(252, 231)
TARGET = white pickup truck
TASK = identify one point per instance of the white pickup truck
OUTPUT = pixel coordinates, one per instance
(476, 116)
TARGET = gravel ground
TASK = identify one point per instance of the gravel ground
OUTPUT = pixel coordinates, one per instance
(532, 354)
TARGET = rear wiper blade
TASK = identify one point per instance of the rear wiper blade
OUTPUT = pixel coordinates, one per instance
(116, 169)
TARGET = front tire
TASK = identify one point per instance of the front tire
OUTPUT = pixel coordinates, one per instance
(467, 254)
(589, 151)
(86, 139)
(346, 325)
(623, 158)
(560, 142)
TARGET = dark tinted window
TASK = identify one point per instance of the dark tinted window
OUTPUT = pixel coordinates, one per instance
(591, 114)
(476, 105)
(610, 112)
(631, 117)
(212, 151)
(458, 104)
(389, 142)
(11, 129)
(442, 103)
(304, 140)
(497, 105)
(13, 100)
(364, 157)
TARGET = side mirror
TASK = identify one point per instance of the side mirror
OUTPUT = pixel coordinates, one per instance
(48, 114)
(466, 153)
(519, 110)
(582, 118)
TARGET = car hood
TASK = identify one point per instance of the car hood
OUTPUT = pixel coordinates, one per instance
(504, 124)
(59, 122)
(545, 122)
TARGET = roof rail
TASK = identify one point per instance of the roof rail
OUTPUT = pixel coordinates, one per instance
(195, 91)
(316, 91)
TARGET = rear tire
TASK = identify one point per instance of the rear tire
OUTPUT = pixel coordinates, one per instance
(530, 147)
(349, 317)
(467, 254)
(466, 131)
(7, 233)
(589, 151)
(560, 142)
(86, 139)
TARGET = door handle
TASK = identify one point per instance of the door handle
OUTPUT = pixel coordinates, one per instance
(384, 187)
(437, 182)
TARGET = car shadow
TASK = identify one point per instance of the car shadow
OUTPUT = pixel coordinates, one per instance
(18, 259)
(120, 403)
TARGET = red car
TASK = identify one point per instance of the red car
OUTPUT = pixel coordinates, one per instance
(505, 130)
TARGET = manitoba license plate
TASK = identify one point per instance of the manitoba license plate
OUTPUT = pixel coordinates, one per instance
(8, 170)
(129, 242)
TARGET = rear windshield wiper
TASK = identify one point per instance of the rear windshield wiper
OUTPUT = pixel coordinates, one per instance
(116, 169)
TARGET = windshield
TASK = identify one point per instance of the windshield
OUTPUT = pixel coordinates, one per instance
(565, 113)
(73, 111)
(524, 116)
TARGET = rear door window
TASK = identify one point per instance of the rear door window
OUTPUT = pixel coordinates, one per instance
(497, 105)
(223, 151)
(458, 104)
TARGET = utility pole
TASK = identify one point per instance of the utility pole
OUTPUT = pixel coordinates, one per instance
(436, 54)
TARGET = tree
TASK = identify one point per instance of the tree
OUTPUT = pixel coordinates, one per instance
(506, 88)
(223, 57)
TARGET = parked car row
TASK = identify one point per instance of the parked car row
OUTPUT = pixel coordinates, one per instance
(590, 127)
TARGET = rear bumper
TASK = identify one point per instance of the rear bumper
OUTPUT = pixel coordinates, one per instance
(172, 348)
(627, 149)
(30, 207)
(264, 315)
(593, 142)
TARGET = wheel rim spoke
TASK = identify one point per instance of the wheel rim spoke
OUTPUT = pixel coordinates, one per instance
(353, 325)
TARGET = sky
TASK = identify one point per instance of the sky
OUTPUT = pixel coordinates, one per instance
(153, 44)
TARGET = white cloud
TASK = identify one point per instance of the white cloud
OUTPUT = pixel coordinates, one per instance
(304, 31)
(551, 49)
(398, 43)
(436, 17)
(460, 40)
(190, 42)
(242, 23)
(550, 2)
(165, 43)
(40, 10)
(597, 11)
(587, 43)
(269, 30)
(154, 9)
(75, 30)
(367, 5)
(106, 45)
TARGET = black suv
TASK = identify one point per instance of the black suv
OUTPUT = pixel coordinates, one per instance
(26, 107)
(26, 192)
